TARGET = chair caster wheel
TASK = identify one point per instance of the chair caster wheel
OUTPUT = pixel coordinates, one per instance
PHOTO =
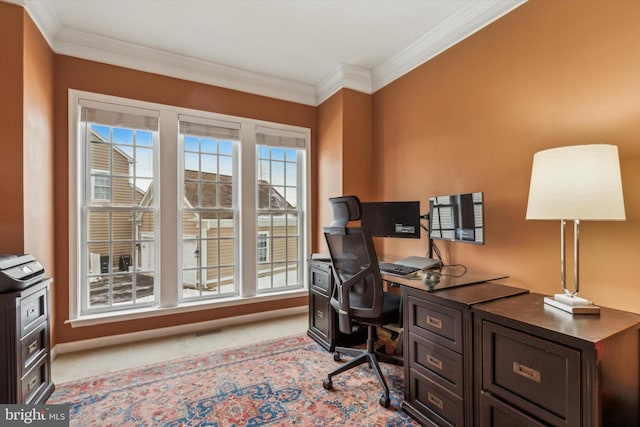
(336, 356)
(327, 384)
(385, 401)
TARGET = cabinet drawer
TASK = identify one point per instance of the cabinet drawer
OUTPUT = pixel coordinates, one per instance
(321, 280)
(444, 366)
(436, 402)
(442, 325)
(320, 310)
(35, 380)
(33, 310)
(539, 376)
(34, 345)
(494, 413)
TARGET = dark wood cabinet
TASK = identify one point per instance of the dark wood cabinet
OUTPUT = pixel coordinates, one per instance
(323, 320)
(25, 371)
(438, 350)
(540, 366)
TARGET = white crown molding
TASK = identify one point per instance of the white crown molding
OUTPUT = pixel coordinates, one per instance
(102, 49)
(469, 19)
(343, 76)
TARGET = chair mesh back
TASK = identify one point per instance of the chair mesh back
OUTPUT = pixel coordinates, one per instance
(353, 254)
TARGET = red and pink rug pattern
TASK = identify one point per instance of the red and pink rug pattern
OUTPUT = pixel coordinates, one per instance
(274, 383)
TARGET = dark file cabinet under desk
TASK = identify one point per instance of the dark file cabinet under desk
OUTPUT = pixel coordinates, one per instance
(438, 351)
(540, 366)
(323, 320)
(25, 371)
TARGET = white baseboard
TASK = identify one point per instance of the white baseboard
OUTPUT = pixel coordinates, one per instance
(94, 343)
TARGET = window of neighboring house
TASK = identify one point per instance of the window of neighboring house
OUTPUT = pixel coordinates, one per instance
(100, 185)
(280, 156)
(161, 225)
(263, 246)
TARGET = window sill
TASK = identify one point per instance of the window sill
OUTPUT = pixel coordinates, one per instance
(140, 313)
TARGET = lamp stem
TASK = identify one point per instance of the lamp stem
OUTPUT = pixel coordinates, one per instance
(563, 274)
(576, 250)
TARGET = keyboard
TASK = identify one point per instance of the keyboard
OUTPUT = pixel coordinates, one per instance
(396, 269)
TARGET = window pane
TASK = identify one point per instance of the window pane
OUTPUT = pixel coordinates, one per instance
(279, 256)
(208, 219)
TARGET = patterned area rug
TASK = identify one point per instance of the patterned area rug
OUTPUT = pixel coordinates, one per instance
(274, 383)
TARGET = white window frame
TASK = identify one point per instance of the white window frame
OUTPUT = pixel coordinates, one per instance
(167, 242)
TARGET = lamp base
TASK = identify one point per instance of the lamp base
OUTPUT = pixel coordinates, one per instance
(573, 305)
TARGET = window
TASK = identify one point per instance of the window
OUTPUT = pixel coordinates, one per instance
(209, 218)
(101, 186)
(263, 246)
(279, 156)
(118, 148)
(161, 216)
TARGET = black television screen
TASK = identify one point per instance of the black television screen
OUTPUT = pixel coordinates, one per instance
(457, 218)
(392, 219)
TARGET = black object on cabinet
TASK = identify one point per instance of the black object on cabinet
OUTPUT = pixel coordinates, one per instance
(323, 320)
(25, 374)
(539, 366)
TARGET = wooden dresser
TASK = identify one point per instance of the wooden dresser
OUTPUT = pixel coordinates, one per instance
(539, 366)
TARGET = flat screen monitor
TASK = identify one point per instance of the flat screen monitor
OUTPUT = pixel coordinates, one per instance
(392, 219)
(457, 218)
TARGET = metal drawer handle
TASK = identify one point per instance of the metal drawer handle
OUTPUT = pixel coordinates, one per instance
(32, 347)
(31, 311)
(434, 361)
(527, 372)
(434, 321)
(435, 400)
(320, 314)
(32, 383)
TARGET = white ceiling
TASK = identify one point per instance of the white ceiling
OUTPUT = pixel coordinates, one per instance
(297, 50)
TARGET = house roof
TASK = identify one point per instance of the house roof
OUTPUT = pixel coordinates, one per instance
(268, 196)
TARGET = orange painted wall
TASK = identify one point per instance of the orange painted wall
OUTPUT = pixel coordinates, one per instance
(11, 136)
(345, 155)
(38, 183)
(548, 74)
(73, 73)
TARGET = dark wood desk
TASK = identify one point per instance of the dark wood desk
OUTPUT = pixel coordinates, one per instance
(488, 354)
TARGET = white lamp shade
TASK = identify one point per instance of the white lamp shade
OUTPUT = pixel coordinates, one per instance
(577, 182)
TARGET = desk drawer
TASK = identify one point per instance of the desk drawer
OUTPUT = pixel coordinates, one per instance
(34, 345)
(321, 280)
(319, 315)
(35, 380)
(432, 399)
(444, 366)
(537, 375)
(495, 413)
(437, 323)
(33, 310)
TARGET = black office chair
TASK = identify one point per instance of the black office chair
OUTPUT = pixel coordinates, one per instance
(358, 294)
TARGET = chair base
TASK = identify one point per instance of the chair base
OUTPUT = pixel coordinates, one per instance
(369, 355)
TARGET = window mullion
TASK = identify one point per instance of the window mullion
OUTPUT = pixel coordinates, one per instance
(167, 243)
(248, 211)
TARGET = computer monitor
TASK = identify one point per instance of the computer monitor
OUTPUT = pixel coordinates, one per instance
(392, 219)
(457, 218)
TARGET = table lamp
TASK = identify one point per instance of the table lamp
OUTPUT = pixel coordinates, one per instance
(580, 182)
